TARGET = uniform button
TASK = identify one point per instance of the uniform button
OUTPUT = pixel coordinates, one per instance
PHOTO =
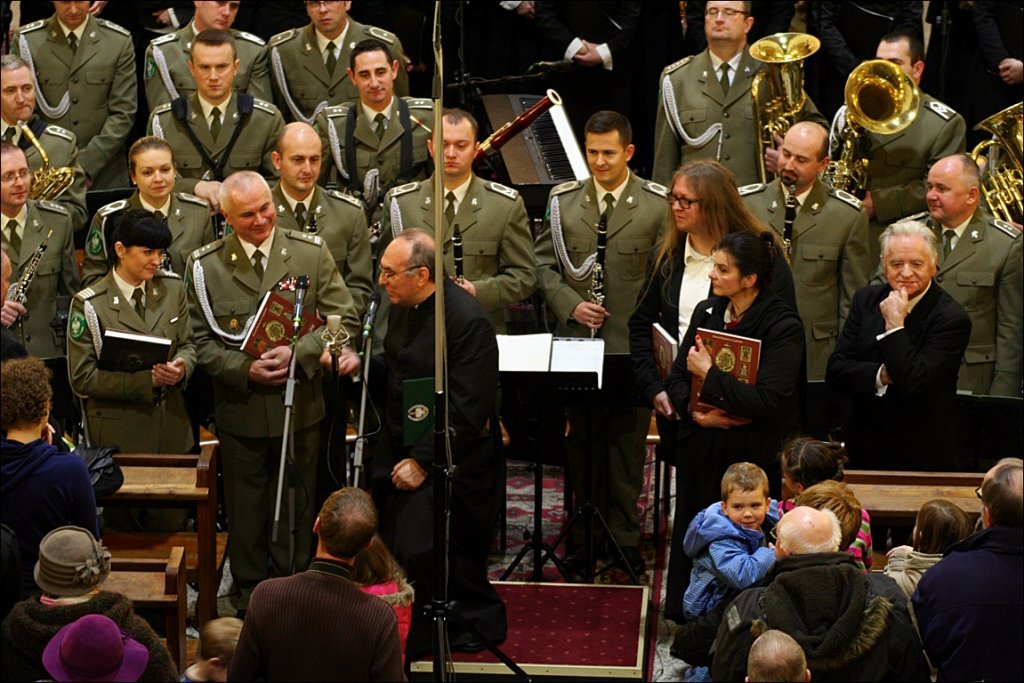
(727, 136)
(330, 93)
(725, 114)
(74, 122)
(727, 157)
(74, 100)
(75, 79)
(939, 278)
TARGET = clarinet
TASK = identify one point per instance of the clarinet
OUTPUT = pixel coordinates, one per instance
(597, 274)
(311, 226)
(457, 254)
(19, 292)
(787, 230)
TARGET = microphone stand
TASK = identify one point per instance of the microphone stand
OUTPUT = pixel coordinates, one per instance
(357, 458)
(335, 339)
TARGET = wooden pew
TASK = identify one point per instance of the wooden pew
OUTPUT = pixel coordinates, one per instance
(156, 583)
(894, 498)
(161, 480)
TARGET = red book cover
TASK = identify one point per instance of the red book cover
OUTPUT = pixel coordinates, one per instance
(273, 326)
(730, 353)
(665, 349)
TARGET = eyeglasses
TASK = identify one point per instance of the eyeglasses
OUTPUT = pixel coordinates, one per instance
(977, 492)
(11, 176)
(681, 202)
(772, 535)
(727, 12)
(386, 273)
(329, 3)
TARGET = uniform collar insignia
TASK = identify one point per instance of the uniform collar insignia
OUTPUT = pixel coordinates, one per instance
(194, 117)
(154, 292)
(308, 47)
(427, 200)
(703, 74)
(746, 69)
(117, 301)
(814, 206)
(284, 252)
(92, 34)
(775, 205)
(177, 212)
(974, 234)
(234, 257)
(629, 199)
(280, 208)
(235, 116)
(473, 203)
(351, 45)
(53, 34)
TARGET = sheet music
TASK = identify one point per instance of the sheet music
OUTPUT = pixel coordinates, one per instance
(524, 352)
(578, 354)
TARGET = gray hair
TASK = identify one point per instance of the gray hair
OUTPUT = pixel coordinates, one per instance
(422, 254)
(236, 182)
(910, 228)
(12, 62)
(797, 543)
(775, 656)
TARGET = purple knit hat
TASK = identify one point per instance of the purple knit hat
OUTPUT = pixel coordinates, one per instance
(94, 648)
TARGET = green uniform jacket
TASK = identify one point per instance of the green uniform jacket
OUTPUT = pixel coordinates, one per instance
(57, 274)
(340, 221)
(497, 249)
(188, 219)
(123, 408)
(691, 99)
(232, 293)
(251, 151)
(61, 148)
(99, 80)
(635, 224)
(302, 85)
(829, 259)
(167, 64)
(983, 274)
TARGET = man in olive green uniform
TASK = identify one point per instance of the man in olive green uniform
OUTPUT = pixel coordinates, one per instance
(85, 71)
(380, 141)
(636, 211)
(304, 206)
(227, 280)
(980, 266)
(898, 164)
(828, 238)
(203, 129)
(498, 265)
(308, 63)
(705, 115)
(18, 104)
(166, 73)
(26, 224)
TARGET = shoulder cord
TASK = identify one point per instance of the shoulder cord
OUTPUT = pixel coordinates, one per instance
(282, 84)
(558, 238)
(93, 321)
(835, 133)
(199, 281)
(672, 112)
(48, 110)
(396, 218)
(165, 73)
(332, 136)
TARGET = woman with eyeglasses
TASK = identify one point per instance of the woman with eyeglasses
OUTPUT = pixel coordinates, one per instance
(706, 207)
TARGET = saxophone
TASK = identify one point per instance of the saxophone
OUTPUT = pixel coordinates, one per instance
(19, 292)
(597, 274)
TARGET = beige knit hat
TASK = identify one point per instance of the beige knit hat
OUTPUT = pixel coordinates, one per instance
(71, 562)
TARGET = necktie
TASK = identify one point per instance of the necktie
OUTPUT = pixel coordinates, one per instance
(257, 263)
(332, 59)
(137, 302)
(73, 42)
(947, 243)
(724, 80)
(159, 215)
(215, 123)
(609, 205)
(14, 240)
(300, 215)
(378, 125)
(449, 209)
(9, 134)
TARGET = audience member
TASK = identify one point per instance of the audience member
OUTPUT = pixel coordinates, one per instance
(10, 571)
(378, 573)
(43, 489)
(218, 639)
(851, 626)
(970, 605)
(71, 569)
(317, 625)
(939, 525)
(836, 497)
(775, 656)
(94, 648)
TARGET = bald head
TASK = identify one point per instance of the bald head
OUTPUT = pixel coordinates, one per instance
(1002, 494)
(803, 155)
(804, 530)
(297, 156)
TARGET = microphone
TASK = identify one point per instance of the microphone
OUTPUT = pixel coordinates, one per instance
(560, 65)
(334, 336)
(301, 285)
(371, 315)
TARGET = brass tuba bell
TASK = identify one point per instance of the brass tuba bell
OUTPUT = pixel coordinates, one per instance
(47, 183)
(1002, 182)
(880, 98)
(784, 78)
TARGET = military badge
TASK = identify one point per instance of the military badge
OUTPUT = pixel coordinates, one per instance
(150, 68)
(95, 242)
(77, 326)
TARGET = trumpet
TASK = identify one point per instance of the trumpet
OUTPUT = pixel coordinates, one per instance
(47, 183)
(1002, 182)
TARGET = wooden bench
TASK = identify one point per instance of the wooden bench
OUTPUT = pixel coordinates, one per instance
(156, 583)
(894, 498)
(161, 480)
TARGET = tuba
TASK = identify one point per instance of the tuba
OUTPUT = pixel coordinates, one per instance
(47, 183)
(783, 78)
(880, 98)
(1002, 182)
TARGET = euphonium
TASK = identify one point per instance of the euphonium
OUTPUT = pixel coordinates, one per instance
(1005, 173)
(880, 98)
(47, 183)
(784, 54)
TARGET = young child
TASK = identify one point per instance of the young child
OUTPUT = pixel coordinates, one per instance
(217, 641)
(806, 462)
(730, 553)
(378, 573)
(939, 525)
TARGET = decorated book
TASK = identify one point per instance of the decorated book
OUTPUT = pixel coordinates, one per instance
(131, 352)
(732, 354)
(273, 326)
(666, 347)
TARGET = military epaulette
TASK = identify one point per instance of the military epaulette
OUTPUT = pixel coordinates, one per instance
(112, 26)
(166, 273)
(169, 38)
(845, 197)
(420, 103)
(501, 189)
(349, 199)
(60, 132)
(337, 111)
(191, 199)
(34, 26)
(567, 187)
(381, 34)
(923, 216)
(264, 105)
(655, 188)
(162, 109)
(751, 189)
(52, 206)
(112, 207)
(942, 110)
(304, 237)
(404, 189)
(1003, 226)
(250, 38)
(675, 65)
(95, 289)
(206, 250)
(282, 37)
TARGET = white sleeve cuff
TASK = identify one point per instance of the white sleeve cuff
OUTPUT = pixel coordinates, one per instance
(880, 388)
(573, 48)
(887, 333)
(606, 55)
(510, 4)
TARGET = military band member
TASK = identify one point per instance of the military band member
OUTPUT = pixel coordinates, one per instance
(217, 131)
(227, 280)
(308, 63)
(18, 105)
(304, 206)
(27, 224)
(828, 240)
(151, 169)
(704, 114)
(167, 75)
(379, 142)
(498, 262)
(84, 69)
(980, 265)
(635, 211)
